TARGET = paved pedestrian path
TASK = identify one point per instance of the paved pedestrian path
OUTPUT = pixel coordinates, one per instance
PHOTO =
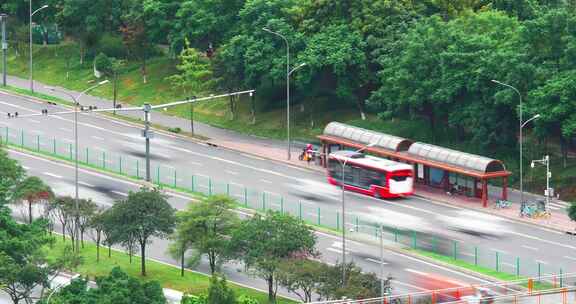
(276, 150)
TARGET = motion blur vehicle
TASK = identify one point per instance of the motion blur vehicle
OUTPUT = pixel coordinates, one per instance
(314, 191)
(369, 175)
(474, 223)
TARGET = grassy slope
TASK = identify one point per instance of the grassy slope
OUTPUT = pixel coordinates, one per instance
(168, 276)
(51, 68)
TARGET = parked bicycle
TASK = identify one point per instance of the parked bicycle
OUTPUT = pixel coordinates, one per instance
(503, 204)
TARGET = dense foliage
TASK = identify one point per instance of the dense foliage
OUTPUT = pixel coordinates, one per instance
(433, 59)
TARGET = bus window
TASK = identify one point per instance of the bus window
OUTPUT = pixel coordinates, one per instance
(398, 178)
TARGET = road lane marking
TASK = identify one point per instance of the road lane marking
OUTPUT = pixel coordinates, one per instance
(67, 140)
(541, 262)
(376, 261)
(97, 138)
(33, 121)
(315, 215)
(52, 175)
(530, 247)
(86, 184)
(569, 257)
(416, 272)
(266, 181)
(65, 129)
(508, 264)
(334, 250)
(231, 172)
(194, 163)
(119, 193)
(543, 240)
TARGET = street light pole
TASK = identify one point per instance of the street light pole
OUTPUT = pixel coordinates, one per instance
(521, 124)
(287, 86)
(30, 29)
(76, 194)
(3, 18)
(342, 184)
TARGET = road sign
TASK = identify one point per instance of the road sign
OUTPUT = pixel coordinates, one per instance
(147, 134)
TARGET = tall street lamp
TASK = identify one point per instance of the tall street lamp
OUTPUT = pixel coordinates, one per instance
(32, 14)
(342, 184)
(76, 104)
(288, 72)
(521, 125)
(3, 18)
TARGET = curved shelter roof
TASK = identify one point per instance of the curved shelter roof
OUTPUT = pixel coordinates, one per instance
(455, 158)
(359, 135)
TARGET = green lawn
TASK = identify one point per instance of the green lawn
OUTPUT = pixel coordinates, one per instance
(168, 276)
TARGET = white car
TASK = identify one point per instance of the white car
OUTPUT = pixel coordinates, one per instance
(474, 223)
(315, 191)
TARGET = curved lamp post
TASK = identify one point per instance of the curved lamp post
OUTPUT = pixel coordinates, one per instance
(521, 125)
(30, 28)
(288, 72)
(76, 104)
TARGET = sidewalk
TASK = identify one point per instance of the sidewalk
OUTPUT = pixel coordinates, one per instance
(276, 150)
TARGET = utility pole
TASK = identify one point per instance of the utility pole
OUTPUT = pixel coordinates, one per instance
(545, 161)
(3, 18)
(147, 134)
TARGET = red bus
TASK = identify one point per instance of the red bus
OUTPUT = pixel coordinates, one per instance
(378, 177)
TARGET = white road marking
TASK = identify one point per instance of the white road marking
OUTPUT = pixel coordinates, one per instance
(65, 129)
(33, 121)
(543, 240)
(541, 262)
(231, 172)
(67, 140)
(334, 250)
(376, 261)
(37, 132)
(508, 264)
(500, 251)
(265, 181)
(119, 193)
(194, 163)
(52, 174)
(416, 271)
(86, 184)
(560, 203)
(569, 257)
(530, 247)
(97, 138)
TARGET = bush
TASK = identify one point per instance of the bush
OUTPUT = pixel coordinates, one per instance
(175, 130)
(112, 46)
(244, 299)
(219, 292)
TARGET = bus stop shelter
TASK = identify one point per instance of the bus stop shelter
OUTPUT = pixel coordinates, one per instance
(453, 171)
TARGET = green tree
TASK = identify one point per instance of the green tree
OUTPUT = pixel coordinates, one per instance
(301, 277)
(111, 68)
(11, 174)
(194, 72)
(263, 242)
(219, 292)
(23, 266)
(205, 228)
(358, 285)
(572, 211)
(117, 287)
(32, 189)
(142, 215)
(96, 223)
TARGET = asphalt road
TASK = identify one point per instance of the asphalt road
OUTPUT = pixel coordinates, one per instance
(106, 189)
(107, 141)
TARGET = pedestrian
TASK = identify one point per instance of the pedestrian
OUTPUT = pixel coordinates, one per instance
(9, 115)
(15, 114)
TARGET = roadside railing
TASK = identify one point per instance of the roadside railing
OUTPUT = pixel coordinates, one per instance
(476, 258)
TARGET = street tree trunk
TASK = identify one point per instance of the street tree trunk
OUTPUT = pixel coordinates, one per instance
(271, 295)
(29, 211)
(143, 257)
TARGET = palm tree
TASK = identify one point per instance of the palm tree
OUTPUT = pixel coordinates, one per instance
(31, 190)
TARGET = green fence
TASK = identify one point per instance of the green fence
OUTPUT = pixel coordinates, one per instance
(262, 201)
